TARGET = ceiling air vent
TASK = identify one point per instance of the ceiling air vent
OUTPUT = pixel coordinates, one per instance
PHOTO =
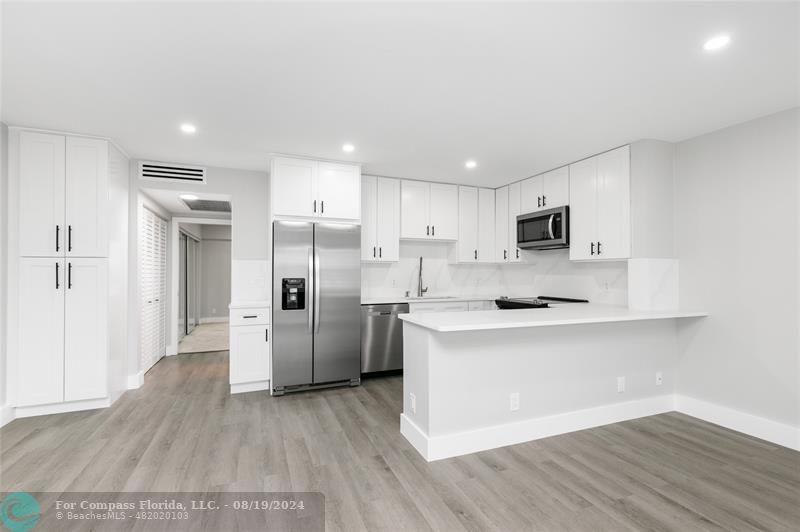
(208, 205)
(179, 173)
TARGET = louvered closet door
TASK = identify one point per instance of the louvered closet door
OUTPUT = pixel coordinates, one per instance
(153, 280)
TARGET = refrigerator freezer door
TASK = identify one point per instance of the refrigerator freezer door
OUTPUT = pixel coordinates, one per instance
(337, 303)
(292, 339)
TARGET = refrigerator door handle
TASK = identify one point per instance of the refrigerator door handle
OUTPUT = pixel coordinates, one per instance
(316, 291)
(311, 286)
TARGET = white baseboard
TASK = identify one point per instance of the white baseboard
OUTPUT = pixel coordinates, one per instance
(60, 408)
(759, 427)
(136, 380)
(6, 414)
(457, 444)
(245, 387)
(215, 319)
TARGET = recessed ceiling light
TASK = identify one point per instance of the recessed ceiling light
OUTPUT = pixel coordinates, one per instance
(717, 42)
(470, 164)
(189, 129)
(348, 148)
(189, 197)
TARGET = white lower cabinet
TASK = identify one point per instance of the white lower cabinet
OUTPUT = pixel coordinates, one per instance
(249, 349)
(451, 306)
(62, 339)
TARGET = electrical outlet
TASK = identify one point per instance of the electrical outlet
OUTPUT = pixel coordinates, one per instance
(514, 401)
(413, 399)
(659, 378)
(620, 384)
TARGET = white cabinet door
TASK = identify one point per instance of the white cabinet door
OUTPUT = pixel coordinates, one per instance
(455, 306)
(293, 187)
(502, 251)
(531, 195)
(613, 204)
(388, 215)
(555, 188)
(369, 218)
(87, 197)
(583, 209)
(85, 326)
(249, 354)
(40, 315)
(41, 194)
(414, 209)
(486, 223)
(339, 191)
(467, 224)
(444, 211)
(513, 211)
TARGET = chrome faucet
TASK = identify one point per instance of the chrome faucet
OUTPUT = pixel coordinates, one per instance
(420, 291)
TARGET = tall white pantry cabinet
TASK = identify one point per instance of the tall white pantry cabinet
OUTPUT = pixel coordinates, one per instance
(58, 254)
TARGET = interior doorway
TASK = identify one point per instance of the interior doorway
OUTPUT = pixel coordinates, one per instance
(204, 287)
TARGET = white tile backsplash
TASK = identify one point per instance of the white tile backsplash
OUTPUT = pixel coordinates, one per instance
(545, 273)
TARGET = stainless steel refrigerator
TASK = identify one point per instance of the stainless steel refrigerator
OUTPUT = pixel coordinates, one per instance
(316, 305)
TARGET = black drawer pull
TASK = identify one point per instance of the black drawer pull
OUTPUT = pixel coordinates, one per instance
(250, 316)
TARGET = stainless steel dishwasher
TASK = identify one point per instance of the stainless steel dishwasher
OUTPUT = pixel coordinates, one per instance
(382, 337)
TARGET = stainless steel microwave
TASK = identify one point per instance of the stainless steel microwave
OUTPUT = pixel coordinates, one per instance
(544, 229)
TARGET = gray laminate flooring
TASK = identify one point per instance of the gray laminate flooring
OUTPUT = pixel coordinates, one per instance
(183, 431)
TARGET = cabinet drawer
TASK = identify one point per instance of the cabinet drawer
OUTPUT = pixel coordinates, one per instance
(249, 316)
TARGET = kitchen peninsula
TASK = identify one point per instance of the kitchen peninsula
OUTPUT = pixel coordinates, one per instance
(486, 379)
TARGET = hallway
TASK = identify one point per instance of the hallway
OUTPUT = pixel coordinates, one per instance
(205, 338)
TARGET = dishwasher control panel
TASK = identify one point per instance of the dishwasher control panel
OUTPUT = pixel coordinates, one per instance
(293, 296)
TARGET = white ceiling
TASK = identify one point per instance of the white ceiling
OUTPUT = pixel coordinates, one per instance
(418, 88)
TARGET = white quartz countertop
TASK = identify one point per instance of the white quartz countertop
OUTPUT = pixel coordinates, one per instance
(427, 299)
(572, 314)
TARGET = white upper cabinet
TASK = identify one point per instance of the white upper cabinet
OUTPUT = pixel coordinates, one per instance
(63, 187)
(600, 207)
(86, 197)
(428, 211)
(293, 187)
(339, 191)
(545, 191)
(514, 210)
(476, 225)
(380, 219)
(502, 249)
(305, 188)
(42, 167)
(444, 211)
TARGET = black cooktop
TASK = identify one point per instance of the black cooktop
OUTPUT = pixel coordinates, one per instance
(510, 303)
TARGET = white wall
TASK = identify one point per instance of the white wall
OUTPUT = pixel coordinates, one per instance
(736, 218)
(545, 273)
(215, 268)
(118, 277)
(3, 258)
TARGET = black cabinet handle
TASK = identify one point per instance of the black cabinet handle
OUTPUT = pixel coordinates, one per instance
(544, 201)
(433, 230)
(380, 253)
(322, 207)
(592, 248)
(505, 254)
(266, 335)
(476, 254)
(538, 201)
(58, 230)
(315, 205)
(428, 230)
(517, 252)
(69, 276)
(373, 252)
(598, 247)
(57, 285)
(69, 238)
(250, 317)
